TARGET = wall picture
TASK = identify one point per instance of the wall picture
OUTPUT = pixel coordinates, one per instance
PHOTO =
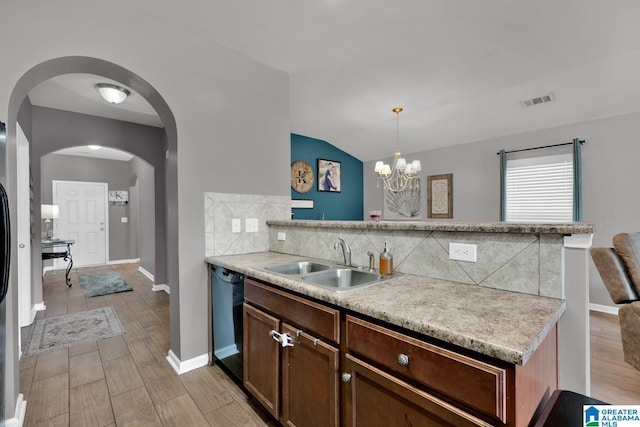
(329, 176)
(440, 196)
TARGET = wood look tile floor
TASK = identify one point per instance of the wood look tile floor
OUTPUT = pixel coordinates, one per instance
(612, 379)
(125, 380)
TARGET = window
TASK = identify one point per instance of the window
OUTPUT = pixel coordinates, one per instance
(540, 189)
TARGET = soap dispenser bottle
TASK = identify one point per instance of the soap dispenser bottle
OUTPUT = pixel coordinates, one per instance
(386, 261)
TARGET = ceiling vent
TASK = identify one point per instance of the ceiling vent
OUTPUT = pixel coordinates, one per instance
(550, 97)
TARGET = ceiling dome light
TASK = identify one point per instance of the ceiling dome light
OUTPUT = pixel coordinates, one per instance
(94, 147)
(112, 93)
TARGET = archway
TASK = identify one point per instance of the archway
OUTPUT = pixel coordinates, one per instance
(166, 260)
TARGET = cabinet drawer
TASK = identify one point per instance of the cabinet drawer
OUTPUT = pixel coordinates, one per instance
(374, 397)
(312, 317)
(477, 384)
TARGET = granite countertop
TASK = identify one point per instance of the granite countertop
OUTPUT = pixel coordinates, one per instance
(502, 324)
(447, 225)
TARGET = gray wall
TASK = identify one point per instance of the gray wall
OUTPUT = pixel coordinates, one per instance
(56, 129)
(610, 176)
(118, 175)
(142, 218)
(226, 117)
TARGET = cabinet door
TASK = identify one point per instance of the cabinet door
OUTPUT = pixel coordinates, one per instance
(375, 398)
(262, 358)
(309, 381)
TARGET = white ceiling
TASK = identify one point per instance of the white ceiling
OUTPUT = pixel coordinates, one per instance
(461, 69)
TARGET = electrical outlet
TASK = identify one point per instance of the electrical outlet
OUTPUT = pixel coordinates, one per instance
(251, 225)
(282, 235)
(235, 225)
(463, 252)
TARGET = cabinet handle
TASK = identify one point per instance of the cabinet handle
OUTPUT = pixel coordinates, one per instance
(403, 359)
(346, 377)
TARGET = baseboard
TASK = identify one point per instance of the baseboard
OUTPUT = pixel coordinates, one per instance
(187, 365)
(165, 288)
(48, 268)
(123, 261)
(35, 309)
(603, 308)
(146, 273)
(21, 410)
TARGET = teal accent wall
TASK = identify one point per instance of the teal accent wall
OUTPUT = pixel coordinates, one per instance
(346, 205)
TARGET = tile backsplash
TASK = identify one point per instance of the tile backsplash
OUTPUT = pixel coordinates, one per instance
(522, 262)
(221, 208)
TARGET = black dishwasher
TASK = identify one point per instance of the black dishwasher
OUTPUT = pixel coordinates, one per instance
(227, 295)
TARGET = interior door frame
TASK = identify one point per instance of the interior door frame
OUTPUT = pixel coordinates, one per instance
(26, 311)
(54, 196)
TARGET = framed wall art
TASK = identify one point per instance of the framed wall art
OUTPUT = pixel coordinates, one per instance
(329, 176)
(440, 196)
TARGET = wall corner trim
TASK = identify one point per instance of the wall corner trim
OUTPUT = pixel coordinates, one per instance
(187, 365)
(578, 241)
(157, 288)
(21, 409)
(35, 309)
(601, 308)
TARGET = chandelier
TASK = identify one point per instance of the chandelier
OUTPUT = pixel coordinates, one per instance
(396, 178)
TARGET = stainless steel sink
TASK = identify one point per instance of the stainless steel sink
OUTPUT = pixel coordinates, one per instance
(343, 278)
(337, 278)
(302, 267)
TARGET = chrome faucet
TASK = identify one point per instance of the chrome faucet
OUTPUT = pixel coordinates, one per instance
(345, 250)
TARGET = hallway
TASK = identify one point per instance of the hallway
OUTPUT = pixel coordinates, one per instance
(124, 380)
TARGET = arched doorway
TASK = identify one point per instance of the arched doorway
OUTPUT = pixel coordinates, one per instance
(166, 174)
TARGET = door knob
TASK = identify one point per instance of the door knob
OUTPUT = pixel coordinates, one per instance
(21, 245)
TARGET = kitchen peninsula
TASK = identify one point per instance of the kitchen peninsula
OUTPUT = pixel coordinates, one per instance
(507, 307)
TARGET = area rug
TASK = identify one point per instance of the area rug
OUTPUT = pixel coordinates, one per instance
(95, 285)
(73, 329)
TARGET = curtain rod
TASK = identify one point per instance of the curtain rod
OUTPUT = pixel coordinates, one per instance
(540, 148)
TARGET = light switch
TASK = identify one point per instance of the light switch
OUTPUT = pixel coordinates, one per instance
(124, 219)
(235, 225)
(251, 225)
(282, 235)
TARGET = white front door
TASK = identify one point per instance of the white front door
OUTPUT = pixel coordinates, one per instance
(23, 220)
(83, 218)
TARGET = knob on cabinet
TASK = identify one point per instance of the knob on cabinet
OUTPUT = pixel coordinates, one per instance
(346, 377)
(403, 359)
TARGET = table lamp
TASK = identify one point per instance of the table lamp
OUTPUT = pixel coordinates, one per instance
(49, 213)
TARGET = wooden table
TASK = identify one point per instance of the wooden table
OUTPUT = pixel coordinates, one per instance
(65, 254)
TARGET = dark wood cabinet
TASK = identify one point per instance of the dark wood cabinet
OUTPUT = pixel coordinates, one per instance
(375, 398)
(297, 382)
(342, 369)
(310, 396)
(262, 358)
(424, 384)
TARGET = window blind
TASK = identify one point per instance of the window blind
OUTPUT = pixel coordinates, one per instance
(540, 189)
